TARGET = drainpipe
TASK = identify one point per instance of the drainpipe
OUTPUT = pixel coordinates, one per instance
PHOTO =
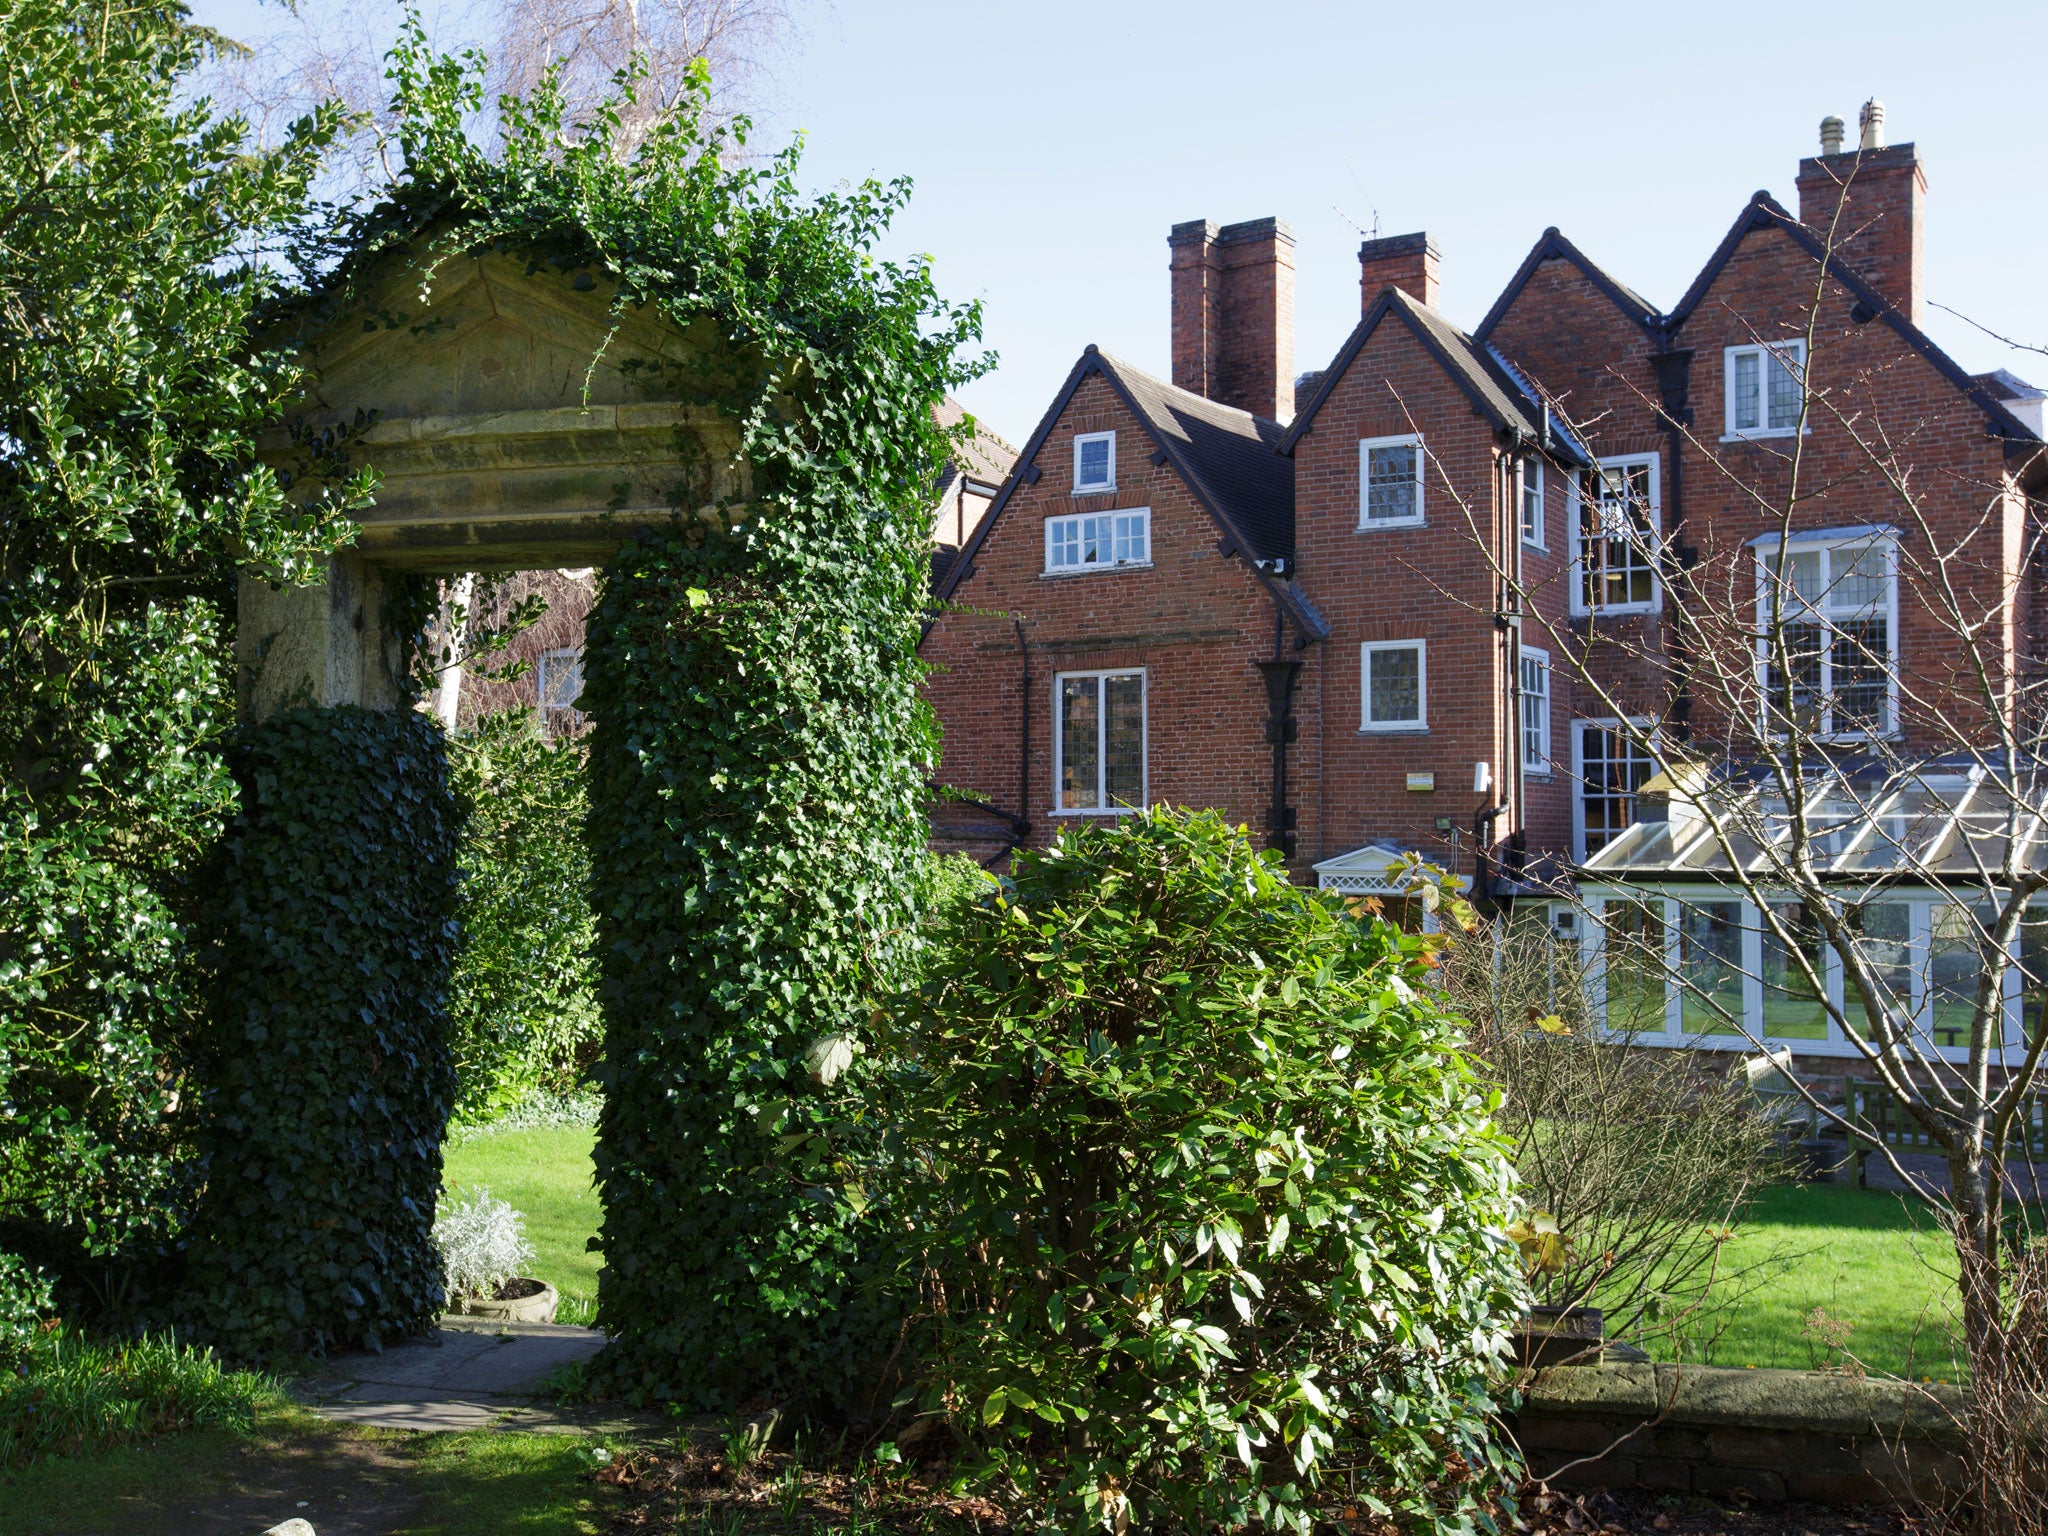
(1023, 826)
(1282, 729)
(1673, 368)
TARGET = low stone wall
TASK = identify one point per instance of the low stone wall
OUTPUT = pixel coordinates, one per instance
(1720, 1433)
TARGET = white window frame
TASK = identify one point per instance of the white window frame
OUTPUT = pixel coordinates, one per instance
(1102, 741)
(1825, 543)
(1420, 724)
(1537, 538)
(1080, 520)
(1541, 765)
(541, 667)
(1921, 906)
(1792, 354)
(1091, 488)
(1580, 607)
(1365, 448)
(1579, 729)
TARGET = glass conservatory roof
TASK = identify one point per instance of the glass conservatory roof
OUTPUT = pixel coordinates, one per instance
(1942, 820)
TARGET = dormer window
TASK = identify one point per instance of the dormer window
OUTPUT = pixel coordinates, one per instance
(1094, 463)
(1765, 388)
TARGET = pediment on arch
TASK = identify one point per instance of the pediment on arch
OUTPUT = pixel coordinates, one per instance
(481, 335)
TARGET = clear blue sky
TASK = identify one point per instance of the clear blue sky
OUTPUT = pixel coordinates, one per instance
(1054, 143)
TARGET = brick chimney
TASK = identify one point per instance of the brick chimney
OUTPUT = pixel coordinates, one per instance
(1406, 262)
(1882, 192)
(1233, 314)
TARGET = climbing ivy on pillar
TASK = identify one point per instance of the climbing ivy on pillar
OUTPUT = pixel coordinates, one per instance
(757, 822)
(328, 1071)
(759, 750)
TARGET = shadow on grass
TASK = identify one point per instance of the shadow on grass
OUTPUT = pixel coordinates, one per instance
(345, 1481)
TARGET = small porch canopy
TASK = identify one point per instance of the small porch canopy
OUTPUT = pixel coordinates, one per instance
(1917, 859)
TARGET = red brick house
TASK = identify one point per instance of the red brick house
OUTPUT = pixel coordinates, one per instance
(1331, 610)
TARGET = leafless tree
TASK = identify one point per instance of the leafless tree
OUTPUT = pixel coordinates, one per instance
(1807, 771)
(314, 53)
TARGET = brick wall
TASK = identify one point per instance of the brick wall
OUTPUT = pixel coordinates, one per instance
(1195, 621)
(1430, 583)
(1961, 533)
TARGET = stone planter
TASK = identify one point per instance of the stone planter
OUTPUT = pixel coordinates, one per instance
(1557, 1335)
(518, 1301)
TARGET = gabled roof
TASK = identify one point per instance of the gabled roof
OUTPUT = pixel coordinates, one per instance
(1766, 212)
(1553, 245)
(1225, 457)
(1494, 390)
(984, 456)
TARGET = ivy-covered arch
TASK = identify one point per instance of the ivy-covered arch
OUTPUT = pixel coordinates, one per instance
(680, 366)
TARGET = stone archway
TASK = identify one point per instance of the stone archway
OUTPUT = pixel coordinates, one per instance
(513, 424)
(516, 426)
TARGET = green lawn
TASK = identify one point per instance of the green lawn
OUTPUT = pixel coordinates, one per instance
(1869, 1259)
(1872, 1260)
(545, 1173)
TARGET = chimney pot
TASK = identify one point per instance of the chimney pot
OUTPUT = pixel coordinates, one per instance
(1831, 130)
(1872, 206)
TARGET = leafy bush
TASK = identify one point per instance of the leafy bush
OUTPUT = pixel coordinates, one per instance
(25, 1301)
(139, 237)
(522, 999)
(1204, 1197)
(328, 1074)
(482, 1241)
(75, 1394)
(1644, 1157)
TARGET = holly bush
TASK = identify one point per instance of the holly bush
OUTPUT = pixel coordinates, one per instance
(522, 1000)
(138, 234)
(328, 1075)
(1202, 1195)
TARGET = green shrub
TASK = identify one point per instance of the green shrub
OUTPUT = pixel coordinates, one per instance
(141, 231)
(73, 1394)
(328, 1072)
(24, 1302)
(1203, 1194)
(522, 999)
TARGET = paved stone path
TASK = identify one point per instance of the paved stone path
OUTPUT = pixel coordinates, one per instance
(470, 1373)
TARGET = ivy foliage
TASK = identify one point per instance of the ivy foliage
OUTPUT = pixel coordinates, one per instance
(329, 1075)
(522, 1000)
(1204, 1197)
(135, 235)
(756, 766)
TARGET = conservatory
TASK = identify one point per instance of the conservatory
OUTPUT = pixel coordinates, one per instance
(1919, 860)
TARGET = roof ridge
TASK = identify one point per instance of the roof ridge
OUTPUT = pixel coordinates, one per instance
(1456, 352)
(1763, 209)
(1553, 242)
